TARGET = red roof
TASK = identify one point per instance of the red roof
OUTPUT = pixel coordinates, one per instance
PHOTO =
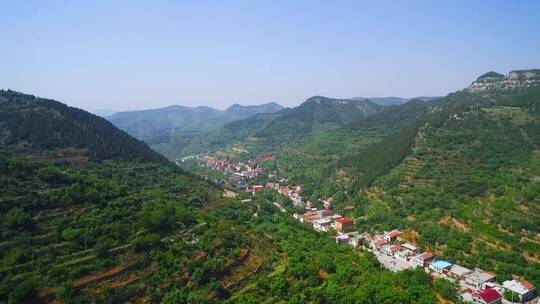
(527, 285)
(395, 248)
(427, 256)
(394, 233)
(344, 220)
(489, 295)
(378, 243)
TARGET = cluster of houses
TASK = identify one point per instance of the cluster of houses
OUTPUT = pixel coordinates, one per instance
(239, 171)
(477, 285)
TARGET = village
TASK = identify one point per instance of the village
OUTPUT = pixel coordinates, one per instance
(391, 250)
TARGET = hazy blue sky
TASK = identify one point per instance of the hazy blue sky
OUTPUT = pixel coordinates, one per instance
(147, 54)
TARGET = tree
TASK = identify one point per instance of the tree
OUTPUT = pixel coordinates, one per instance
(17, 218)
(67, 292)
(25, 292)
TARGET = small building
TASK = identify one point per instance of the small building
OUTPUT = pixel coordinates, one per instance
(322, 225)
(237, 176)
(487, 296)
(357, 239)
(477, 279)
(409, 247)
(391, 250)
(422, 259)
(342, 239)
(524, 290)
(258, 188)
(441, 267)
(344, 224)
(392, 235)
(326, 212)
(311, 218)
(403, 254)
(458, 272)
(377, 244)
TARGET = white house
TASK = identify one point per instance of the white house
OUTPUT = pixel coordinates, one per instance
(524, 290)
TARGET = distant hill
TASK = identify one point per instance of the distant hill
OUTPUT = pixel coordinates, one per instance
(385, 101)
(165, 122)
(44, 124)
(324, 109)
(240, 110)
(272, 131)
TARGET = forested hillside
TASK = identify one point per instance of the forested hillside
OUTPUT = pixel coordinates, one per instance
(82, 224)
(42, 125)
(464, 178)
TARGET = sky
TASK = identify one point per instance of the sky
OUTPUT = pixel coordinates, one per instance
(127, 55)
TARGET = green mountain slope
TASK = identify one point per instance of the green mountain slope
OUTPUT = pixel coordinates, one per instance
(78, 225)
(44, 124)
(464, 177)
(470, 187)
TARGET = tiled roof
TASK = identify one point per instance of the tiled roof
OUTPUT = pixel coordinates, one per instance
(489, 295)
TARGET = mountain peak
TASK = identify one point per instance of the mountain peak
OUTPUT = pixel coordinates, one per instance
(520, 79)
(490, 74)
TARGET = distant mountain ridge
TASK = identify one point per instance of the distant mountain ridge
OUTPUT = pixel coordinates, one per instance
(165, 122)
(392, 100)
(325, 109)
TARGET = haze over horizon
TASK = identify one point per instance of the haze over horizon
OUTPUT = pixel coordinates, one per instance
(129, 56)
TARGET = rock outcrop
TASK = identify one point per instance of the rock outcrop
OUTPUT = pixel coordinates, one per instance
(514, 80)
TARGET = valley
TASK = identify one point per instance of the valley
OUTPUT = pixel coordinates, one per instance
(435, 172)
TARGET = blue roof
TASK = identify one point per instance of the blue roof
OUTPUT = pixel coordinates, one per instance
(442, 264)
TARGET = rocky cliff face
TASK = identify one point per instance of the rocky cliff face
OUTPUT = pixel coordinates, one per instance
(514, 80)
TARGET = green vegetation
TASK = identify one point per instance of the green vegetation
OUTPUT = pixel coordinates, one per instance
(461, 173)
(82, 225)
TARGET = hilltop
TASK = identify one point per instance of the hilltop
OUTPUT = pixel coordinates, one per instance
(515, 80)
